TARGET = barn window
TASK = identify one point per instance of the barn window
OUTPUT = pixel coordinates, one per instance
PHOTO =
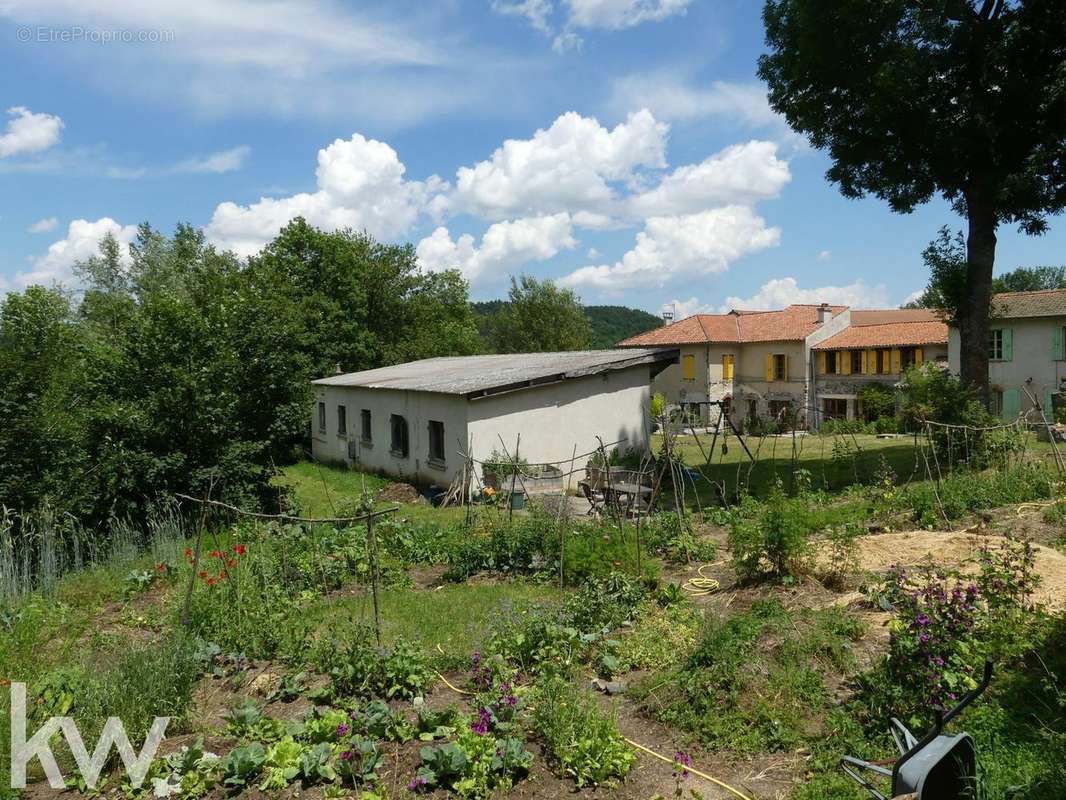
(400, 445)
(342, 421)
(321, 417)
(436, 441)
(367, 432)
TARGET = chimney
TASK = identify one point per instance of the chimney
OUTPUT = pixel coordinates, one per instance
(668, 313)
(823, 313)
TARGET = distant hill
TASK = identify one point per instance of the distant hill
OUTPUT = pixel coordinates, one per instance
(610, 324)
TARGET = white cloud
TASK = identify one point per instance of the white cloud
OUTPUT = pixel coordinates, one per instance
(673, 97)
(43, 225)
(223, 161)
(361, 185)
(567, 167)
(915, 295)
(616, 14)
(536, 11)
(567, 41)
(28, 132)
(504, 244)
(692, 245)
(825, 255)
(781, 292)
(740, 174)
(592, 252)
(686, 308)
(81, 242)
(287, 58)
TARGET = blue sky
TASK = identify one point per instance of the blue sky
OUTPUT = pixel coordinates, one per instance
(621, 147)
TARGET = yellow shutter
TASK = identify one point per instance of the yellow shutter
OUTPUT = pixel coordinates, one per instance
(727, 367)
(897, 361)
(864, 369)
(822, 365)
(769, 367)
(845, 366)
(786, 368)
(688, 367)
(917, 356)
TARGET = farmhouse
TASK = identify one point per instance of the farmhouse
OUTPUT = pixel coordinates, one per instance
(413, 420)
(1026, 352)
(804, 360)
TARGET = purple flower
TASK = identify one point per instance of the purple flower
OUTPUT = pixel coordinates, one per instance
(483, 723)
(346, 755)
(684, 761)
(417, 782)
(342, 730)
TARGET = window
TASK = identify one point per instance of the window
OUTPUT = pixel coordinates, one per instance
(834, 408)
(436, 442)
(1000, 344)
(753, 410)
(342, 421)
(400, 446)
(909, 357)
(831, 367)
(883, 362)
(321, 417)
(856, 362)
(727, 367)
(780, 372)
(688, 367)
(781, 411)
(367, 432)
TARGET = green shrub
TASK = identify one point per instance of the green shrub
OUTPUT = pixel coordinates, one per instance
(777, 542)
(583, 742)
(878, 401)
(361, 669)
(475, 765)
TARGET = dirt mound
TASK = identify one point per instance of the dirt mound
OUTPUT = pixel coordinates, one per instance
(880, 551)
(400, 493)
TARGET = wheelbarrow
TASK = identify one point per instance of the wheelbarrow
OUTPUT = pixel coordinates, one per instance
(938, 766)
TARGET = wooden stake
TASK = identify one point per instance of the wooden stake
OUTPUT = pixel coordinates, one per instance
(372, 542)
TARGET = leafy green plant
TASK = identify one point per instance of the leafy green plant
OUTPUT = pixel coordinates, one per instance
(474, 766)
(583, 742)
(359, 761)
(363, 670)
(316, 764)
(243, 765)
(282, 764)
(777, 542)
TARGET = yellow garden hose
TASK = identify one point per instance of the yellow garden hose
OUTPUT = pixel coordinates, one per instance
(702, 585)
(693, 770)
(448, 683)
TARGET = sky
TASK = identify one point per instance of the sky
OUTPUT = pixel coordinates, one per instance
(623, 148)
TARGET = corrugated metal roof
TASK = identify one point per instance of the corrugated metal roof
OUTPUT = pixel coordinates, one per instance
(1011, 305)
(473, 375)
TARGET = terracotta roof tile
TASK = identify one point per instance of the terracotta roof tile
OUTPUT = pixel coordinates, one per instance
(792, 323)
(892, 334)
(1048, 303)
(883, 316)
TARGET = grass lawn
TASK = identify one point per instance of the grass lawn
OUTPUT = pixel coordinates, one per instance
(834, 461)
(455, 616)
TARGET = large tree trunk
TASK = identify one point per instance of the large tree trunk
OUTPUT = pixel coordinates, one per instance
(973, 316)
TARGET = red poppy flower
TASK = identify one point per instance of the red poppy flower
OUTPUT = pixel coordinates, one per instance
(216, 554)
(203, 573)
(240, 549)
(231, 562)
(210, 581)
(188, 552)
(161, 568)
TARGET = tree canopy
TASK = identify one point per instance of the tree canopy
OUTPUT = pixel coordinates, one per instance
(181, 368)
(914, 98)
(539, 317)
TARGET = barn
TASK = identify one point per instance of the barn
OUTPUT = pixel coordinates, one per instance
(412, 421)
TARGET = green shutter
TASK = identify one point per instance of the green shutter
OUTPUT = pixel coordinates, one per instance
(1012, 403)
(1056, 344)
(1008, 344)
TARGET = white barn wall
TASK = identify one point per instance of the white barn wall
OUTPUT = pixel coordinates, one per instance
(554, 417)
(417, 407)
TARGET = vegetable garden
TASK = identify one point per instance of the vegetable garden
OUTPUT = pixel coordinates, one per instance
(740, 653)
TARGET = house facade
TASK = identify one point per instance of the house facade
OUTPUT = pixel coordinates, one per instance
(1026, 355)
(809, 361)
(877, 347)
(412, 421)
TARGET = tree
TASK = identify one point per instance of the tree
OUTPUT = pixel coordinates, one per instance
(1030, 279)
(945, 258)
(965, 98)
(540, 317)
